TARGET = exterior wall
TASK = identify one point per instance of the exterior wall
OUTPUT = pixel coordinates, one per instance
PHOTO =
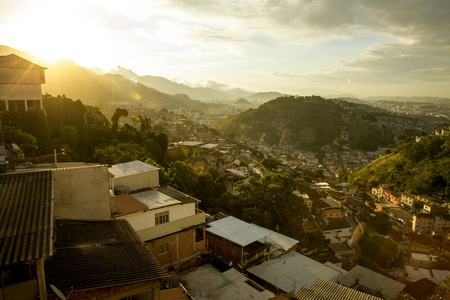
(338, 236)
(183, 250)
(82, 193)
(421, 224)
(441, 224)
(20, 85)
(26, 290)
(332, 214)
(21, 76)
(414, 248)
(137, 181)
(143, 220)
(407, 199)
(228, 250)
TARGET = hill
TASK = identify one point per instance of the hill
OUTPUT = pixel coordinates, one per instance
(66, 77)
(242, 101)
(418, 167)
(264, 96)
(309, 123)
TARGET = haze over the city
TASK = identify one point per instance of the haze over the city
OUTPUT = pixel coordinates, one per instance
(365, 48)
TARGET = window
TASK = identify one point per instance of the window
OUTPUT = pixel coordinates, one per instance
(33, 105)
(162, 217)
(2, 105)
(16, 105)
(199, 234)
(163, 248)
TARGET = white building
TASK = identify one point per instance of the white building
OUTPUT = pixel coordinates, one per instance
(20, 84)
(134, 176)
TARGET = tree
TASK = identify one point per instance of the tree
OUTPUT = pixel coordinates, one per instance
(119, 113)
(181, 176)
(382, 223)
(269, 163)
(442, 292)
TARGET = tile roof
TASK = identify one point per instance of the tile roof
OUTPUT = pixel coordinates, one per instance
(327, 290)
(16, 62)
(26, 217)
(420, 289)
(128, 205)
(374, 281)
(98, 254)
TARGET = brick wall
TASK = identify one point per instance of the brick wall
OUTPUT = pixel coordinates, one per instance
(182, 249)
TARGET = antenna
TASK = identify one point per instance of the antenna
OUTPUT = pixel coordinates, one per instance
(58, 292)
(15, 147)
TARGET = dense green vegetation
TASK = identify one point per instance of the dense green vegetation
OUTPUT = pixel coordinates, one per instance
(83, 132)
(268, 202)
(417, 167)
(307, 123)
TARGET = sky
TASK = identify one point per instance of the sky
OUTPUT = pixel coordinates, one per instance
(361, 47)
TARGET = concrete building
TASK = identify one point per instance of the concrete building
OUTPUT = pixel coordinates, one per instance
(246, 244)
(133, 176)
(20, 84)
(371, 282)
(336, 231)
(291, 272)
(82, 193)
(424, 222)
(407, 200)
(170, 224)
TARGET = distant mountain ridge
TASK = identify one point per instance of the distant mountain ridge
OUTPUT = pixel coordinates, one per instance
(166, 86)
(66, 77)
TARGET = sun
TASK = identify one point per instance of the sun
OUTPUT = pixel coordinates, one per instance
(55, 30)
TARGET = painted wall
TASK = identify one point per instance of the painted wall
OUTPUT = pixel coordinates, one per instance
(143, 220)
(82, 193)
(137, 181)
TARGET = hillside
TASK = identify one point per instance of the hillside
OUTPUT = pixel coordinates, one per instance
(416, 167)
(309, 123)
(264, 96)
(66, 77)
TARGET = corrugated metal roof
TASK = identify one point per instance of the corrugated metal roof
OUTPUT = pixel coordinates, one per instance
(278, 239)
(154, 199)
(26, 217)
(131, 168)
(292, 271)
(237, 231)
(209, 146)
(390, 288)
(98, 254)
(327, 290)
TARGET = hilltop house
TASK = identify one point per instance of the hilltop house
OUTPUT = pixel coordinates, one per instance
(20, 84)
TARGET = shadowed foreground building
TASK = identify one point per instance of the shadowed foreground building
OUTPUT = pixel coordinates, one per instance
(101, 259)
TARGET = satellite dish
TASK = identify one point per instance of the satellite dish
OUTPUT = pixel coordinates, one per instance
(58, 292)
(15, 147)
